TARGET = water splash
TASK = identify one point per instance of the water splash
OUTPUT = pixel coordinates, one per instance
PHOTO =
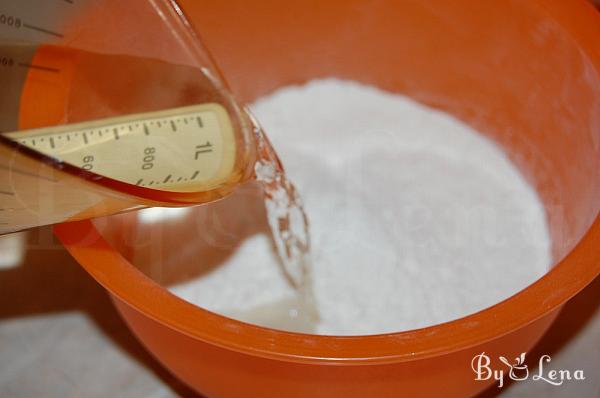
(290, 231)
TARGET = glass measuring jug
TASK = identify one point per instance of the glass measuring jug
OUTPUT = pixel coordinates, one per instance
(110, 106)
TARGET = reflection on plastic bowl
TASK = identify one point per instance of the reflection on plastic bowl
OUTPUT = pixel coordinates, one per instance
(12, 249)
(157, 214)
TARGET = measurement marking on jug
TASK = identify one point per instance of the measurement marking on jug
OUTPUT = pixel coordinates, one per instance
(68, 1)
(52, 143)
(6, 61)
(7, 193)
(9, 20)
(42, 30)
(39, 67)
(205, 148)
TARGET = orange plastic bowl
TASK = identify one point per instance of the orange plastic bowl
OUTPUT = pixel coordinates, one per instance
(525, 73)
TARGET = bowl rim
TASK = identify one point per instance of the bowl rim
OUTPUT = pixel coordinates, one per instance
(551, 291)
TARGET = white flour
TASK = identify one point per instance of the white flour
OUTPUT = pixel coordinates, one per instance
(416, 219)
